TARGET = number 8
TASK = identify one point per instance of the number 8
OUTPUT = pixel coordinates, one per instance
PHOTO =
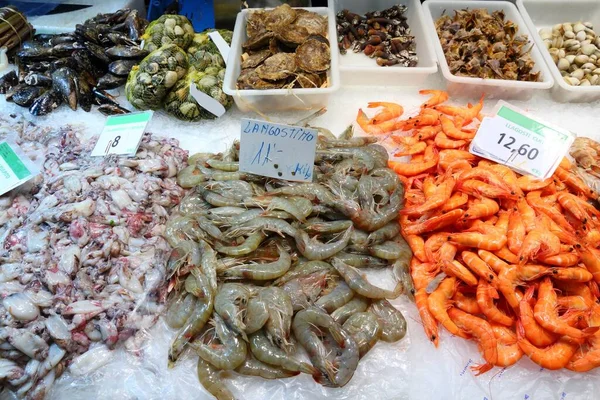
(116, 141)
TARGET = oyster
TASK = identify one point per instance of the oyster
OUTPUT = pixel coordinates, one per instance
(249, 79)
(255, 58)
(314, 54)
(280, 17)
(277, 67)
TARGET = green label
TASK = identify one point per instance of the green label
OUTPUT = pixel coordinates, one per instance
(528, 123)
(128, 118)
(13, 161)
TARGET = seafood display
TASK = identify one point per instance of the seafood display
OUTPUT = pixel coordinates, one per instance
(509, 261)
(14, 27)
(483, 45)
(75, 68)
(262, 267)
(575, 48)
(286, 47)
(82, 257)
(586, 153)
(165, 77)
(383, 35)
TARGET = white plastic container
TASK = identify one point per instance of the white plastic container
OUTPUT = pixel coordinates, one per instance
(356, 69)
(475, 87)
(540, 14)
(279, 99)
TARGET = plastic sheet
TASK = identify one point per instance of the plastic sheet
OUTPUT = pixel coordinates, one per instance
(409, 369)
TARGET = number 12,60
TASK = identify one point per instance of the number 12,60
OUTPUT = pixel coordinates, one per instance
(524, 149)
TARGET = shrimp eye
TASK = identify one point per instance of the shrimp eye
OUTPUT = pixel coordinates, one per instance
(432, 338)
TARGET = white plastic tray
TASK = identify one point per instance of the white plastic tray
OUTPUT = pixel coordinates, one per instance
(474, 87)
(356, 69)
(279, 99)
(547, 13)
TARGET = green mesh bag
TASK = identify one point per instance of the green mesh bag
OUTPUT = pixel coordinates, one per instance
(168, 29)
(150, 81)
(182, 105)
(204, 53)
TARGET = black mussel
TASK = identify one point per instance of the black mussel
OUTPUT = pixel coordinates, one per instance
(43, 37)
(39, 66)
(32, 44)
(119, 38)
(85, 63)
(97, 52)
(10, 92)
(121, 67)
(111, 109)
(87, 32)
(126, 52)
(104, 29)
(63, 38)
(27, 95)
(88, 78)
(102, 97)
(65, 49)
(35, 53)
(110, 18)
(133, 26)
(35, 78)
(110, 81)
(64, 83)
(68, 62)
(46, 103)
(104, 40)
(8, 80)
(85, 97)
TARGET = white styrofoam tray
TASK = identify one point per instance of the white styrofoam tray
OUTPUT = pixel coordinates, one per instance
(279, 99)
(356, 69)
(540, 14)
(492, 88)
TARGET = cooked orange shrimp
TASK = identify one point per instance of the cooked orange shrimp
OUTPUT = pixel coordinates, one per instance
(513, 276)
(417, 245)
(495, 262)
(574, 303)
(575, 274)
(528, 183)
(536, 334)
(412, 149)
(509, 351)
(467, 114)
(422, 273)
(561, 259)
(413, 168)
(527, 215)
(508, 175)
(404, 140)
(385, 127)
(502, 222)
(427, 132)
(429, 322)
(481, 208)
(486, 294)
(443, 142)
(452, 131)
(466, 303)
(426, 117)
(437, 97)
(552, 357)
(434, 223)
(390, 111)
(591, 259)
(580, 208)
(479, 267)
(480, 189)
(575, 183)
(456, 269)
(589, 359)
(433, 245)
(437, 199)
(539, 243)
(439, 302)
(545, 313)
(489, 176)
(516, 232)
(481, 236)
(483, 334)
(449, 156)
(458, 199)
(505, 254)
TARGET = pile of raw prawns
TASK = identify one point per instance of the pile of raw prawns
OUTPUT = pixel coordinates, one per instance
(507, 260)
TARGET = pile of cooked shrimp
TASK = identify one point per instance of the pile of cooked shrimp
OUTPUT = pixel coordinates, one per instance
(262, 268)
(509, 261)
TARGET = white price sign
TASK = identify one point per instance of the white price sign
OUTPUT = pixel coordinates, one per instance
(278, 151)
(522, 143)
(122, 134)
(15, 167)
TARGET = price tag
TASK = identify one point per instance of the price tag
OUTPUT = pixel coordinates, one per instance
(15, 167)
(205, 101)
(122, 134)
(520, 142)
(221, 44)
(278, 151)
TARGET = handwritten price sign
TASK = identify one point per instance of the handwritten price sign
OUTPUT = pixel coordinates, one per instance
(278, 151)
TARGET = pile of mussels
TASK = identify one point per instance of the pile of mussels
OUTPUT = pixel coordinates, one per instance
(76, 68)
